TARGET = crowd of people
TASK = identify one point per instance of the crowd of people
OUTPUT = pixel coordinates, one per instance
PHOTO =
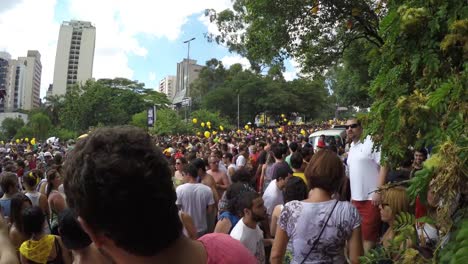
(120, 195)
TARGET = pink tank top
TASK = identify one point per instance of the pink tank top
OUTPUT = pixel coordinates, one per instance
(222, 248)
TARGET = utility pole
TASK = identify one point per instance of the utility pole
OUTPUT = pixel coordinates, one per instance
(187, 79)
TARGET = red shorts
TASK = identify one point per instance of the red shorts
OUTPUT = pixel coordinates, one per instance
(370, 220)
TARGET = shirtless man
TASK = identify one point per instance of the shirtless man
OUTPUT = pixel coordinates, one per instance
(221, 179)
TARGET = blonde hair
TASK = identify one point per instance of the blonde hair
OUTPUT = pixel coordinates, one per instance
(397, 199)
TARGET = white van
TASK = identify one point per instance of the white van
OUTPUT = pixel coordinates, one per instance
(328, 133)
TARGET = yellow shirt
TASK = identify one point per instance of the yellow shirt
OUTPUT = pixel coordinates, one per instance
(302, 176)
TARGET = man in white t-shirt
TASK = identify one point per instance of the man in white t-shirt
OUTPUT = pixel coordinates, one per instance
(247, 230)
(196, 199)
(241, 160)
(273, 194)
(366, 176)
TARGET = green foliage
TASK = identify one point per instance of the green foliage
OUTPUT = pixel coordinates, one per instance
(313, 32)
(25, 132)
(40, 125)
(140, 120)
(63, 134)
(456, 250)
(10, 127)
(169, 123)
(215, 119)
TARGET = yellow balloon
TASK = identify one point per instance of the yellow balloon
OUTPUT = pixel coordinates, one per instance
(238, 131)
(207, 134)
(221, 128)
(17, 141)
(208, 123)
(26, 139)
(1, 142)
(280, 130)
(33, 141)
(285, 120)
(194, 120)
(246, 126)
(289, 123)
(214, 132)
(202, 124)
(303, 132)
(282, 115)
(198, 134)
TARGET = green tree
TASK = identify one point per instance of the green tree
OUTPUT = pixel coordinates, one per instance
(10, 127)
(215, 119)
(40, 125)
(139, 120)
(313, 32)
(169, 123)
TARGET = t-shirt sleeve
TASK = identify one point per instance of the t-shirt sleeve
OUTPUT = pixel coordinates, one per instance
(209, 196)
(240, 161)
(355, 218)
(288, 217)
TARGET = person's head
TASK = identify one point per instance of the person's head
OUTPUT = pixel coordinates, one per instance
(58, 159)
(180, 163)
(307, 151)
(190, 172)
(227, 158)
(31, 179)
(251, 206)
(278, 150)
(19, 202)
(325, 171)
(48, 158)
(241, 175)
(200, 165)
(394, 201)
(113, 176)
(295, 189)
(72, 234)
(213, 163)
(293, 146)
(233, 194)
(9, 182)
(420, 155)
(33, 220)
(282, 173)
(353, 129)
(54, 179)
(20, 164)
(296, 160)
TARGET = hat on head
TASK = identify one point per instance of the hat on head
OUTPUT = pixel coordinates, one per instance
(47, 154)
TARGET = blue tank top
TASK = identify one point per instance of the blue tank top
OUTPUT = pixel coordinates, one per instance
(5, 205)
(232, 218)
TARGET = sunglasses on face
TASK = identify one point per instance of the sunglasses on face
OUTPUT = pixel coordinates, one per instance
(351, 126)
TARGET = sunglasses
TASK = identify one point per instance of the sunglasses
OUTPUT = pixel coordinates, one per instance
(351, 126)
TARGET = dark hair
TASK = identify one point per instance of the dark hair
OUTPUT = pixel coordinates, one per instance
(228, 156)
(191, 170)
(296, 160)
(20, 163)
(16, 207)
(8, 180)
(422, 151)
(51, 175)
(241, 175)
(262, 157)
(278, 150)
(32, 178)
(73, 236)
(325, 171)
(233, 194)
(33, 220)
(245, 201)
(407, 159)
(58, 159)
(293, 146)
(182, 160)
(116, 174)
(295, 189)
(199, 164)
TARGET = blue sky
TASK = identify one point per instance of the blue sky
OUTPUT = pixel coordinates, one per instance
(137, 39)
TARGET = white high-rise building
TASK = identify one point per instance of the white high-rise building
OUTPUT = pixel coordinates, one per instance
(167, 86)
(187, 72)
(75, 55)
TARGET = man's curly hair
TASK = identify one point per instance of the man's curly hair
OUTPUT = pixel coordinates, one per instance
(120, 184)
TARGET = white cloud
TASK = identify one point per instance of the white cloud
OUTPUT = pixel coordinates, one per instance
(29, 24)
(295, 69)
(233, 59)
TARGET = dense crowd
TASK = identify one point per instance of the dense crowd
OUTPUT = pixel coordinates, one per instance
(120, 195)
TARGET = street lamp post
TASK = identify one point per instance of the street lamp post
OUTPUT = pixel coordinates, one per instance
(187, 87)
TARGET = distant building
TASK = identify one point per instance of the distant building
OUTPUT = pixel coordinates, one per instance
(75, 55)
(20, 81)
(184, 80)
(167, 86)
